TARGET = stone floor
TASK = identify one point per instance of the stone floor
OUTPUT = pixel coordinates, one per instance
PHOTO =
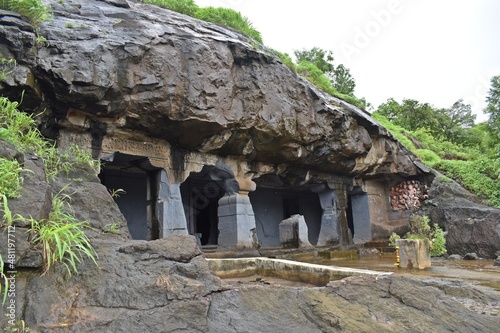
(477, 272)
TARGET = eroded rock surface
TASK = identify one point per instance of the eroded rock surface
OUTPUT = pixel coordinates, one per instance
(470, 226)
(125, 69)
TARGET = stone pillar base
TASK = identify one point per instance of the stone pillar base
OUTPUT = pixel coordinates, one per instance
(236, 223)
(414, 253)
(294, 232)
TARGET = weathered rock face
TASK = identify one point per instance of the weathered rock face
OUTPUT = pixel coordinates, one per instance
(123, 69)
(126, 67)
(471, 227)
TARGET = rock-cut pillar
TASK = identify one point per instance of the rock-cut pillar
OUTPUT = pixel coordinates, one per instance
(169, 209)
(329, 232)
(237, 218)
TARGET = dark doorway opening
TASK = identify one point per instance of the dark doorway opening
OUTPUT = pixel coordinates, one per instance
(200, 195)
(291, 206)
(358, 216)
(350, 219)
(132, 182)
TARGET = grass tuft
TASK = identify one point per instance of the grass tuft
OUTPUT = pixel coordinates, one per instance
(34, 10)
(62, 238)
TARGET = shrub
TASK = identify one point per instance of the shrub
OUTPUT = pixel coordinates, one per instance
(230, 18)
(34, 10)
(314, 75)
(420, 229)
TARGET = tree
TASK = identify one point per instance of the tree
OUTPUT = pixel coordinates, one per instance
(321, 58)
(493, 108)
(410, 114)
(339, 76)
(455, 120)
(343, 80)
(389, 109)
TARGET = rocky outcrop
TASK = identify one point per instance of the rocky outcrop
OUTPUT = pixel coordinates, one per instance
(470, 226)
(166, 286)
(124, 68)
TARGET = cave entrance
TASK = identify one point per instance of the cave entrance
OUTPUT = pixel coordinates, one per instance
(358, 216)
(200, 196)
(272, 204)
(131, 180)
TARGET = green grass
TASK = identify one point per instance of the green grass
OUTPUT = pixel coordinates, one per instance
(465, 165)
(479, 176)
(21, 130)
(314, 75)
(230, 18)
(11, 181)
(62, 238)
(218, 15)
(34, 10)
(186, 7)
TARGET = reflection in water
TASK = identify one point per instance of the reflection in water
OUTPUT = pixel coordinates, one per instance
(479, 272)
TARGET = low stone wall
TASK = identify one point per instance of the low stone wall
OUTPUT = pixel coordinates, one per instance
(319, 275)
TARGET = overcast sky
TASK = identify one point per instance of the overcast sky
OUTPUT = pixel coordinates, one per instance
(431, 51)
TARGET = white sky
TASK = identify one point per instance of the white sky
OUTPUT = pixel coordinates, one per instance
(432, 51)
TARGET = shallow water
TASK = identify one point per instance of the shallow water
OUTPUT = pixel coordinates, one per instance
(479, 272)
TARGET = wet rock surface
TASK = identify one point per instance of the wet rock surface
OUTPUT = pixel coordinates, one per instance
(204, 88)
(471, 227)
(138, 68)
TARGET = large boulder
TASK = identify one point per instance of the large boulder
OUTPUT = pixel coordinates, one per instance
(470, 226)
(138, 286)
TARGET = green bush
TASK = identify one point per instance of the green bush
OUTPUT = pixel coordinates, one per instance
(420, 229)
(62, 238)
(186, 7)
(34, 10)
(230, 18)
(314, 75)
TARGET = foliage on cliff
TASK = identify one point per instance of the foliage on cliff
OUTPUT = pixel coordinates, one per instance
(448, 140)
(61, 237)
(34, 10)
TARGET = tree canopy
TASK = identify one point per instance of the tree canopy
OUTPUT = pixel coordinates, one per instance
(339, 76)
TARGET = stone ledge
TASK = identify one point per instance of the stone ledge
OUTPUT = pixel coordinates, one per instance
(285, 269)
